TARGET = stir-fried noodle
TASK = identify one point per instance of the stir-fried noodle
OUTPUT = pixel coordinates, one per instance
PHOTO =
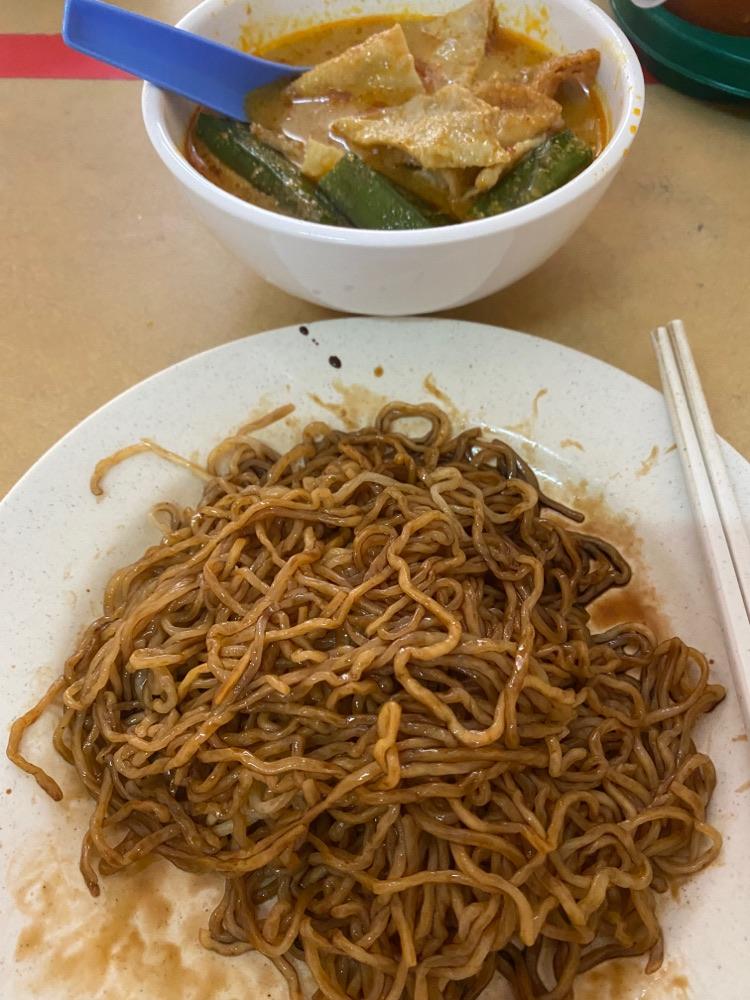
(358, 681)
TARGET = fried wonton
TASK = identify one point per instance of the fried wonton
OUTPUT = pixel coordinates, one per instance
(378, 72)
(450, 49)
(452, 128)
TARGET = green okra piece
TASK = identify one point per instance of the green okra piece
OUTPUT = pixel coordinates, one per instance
(233, 144)
(545, 169)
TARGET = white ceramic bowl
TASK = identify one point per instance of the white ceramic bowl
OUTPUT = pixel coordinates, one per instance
(397, 273)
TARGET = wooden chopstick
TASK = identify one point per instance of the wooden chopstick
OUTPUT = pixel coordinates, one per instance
(715, 506)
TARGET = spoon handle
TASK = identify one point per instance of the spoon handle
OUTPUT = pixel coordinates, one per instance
(206, 72)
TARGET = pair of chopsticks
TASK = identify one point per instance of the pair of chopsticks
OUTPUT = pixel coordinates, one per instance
(718, 517)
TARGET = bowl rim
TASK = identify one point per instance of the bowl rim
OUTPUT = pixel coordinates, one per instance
(153, 105)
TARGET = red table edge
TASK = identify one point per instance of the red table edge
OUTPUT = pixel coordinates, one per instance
(47, 57)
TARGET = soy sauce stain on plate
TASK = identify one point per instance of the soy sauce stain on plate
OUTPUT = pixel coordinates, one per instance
(140, 938)
(648, 463)
(535, 404)
(356, 405)
(639, 601)
(459, 417)
(434, 390)
(626, 979)
(526, 427)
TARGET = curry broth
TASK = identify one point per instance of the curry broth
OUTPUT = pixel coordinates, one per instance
(320, 42)
(510, 52)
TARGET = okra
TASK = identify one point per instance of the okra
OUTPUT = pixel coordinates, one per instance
(233, 144)
(545, 169)
(368, 199)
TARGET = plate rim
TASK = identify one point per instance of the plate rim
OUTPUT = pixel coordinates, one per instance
(338, 321)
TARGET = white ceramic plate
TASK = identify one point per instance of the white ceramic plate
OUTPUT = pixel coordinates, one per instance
(597, 435)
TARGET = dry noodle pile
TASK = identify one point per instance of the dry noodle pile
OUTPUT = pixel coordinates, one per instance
(358, 681)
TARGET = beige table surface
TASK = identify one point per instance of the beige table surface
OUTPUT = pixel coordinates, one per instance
(105, 277)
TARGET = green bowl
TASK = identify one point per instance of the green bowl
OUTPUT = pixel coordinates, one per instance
(701, 63)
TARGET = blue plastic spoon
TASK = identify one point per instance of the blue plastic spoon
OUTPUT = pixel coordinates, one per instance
(206, 72)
